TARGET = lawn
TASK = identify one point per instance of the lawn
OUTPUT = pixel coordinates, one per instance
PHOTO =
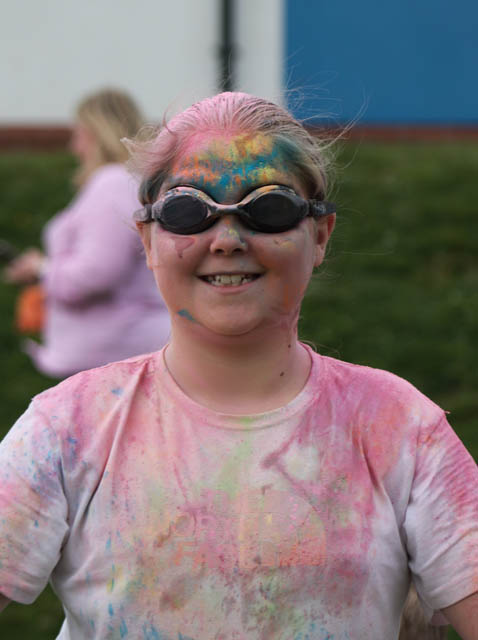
(399, 289)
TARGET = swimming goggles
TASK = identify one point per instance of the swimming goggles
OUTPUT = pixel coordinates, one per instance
(270, 209)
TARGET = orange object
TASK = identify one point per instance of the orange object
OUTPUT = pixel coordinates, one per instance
(30, 309)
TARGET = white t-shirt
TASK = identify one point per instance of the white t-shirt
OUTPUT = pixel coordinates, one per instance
(159, 519)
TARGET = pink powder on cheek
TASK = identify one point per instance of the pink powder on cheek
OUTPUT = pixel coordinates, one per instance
(182, 244)
(163, 243)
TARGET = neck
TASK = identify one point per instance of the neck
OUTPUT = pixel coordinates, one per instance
(245, 374)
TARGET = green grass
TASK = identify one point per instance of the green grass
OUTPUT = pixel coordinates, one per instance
(399, 289)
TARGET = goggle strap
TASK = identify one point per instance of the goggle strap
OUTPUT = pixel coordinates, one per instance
(144, 214)
(321, 208)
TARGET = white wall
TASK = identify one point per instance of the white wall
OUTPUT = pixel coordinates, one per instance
(52, 52)
(261, 47)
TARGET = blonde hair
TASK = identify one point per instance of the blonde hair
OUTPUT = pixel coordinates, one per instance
(109, 115)
(230, 112)
(414, 625)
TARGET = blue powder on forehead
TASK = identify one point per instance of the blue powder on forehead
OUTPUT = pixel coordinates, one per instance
(224, 174)
(291, 153)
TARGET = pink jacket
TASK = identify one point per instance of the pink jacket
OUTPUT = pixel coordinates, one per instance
(102, 301)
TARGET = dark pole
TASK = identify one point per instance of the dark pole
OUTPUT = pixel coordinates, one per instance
(226, 48)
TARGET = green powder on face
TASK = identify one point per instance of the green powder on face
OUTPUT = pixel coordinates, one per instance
(184, 313)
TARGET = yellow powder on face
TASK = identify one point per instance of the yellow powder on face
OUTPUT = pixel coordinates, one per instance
(233, 148)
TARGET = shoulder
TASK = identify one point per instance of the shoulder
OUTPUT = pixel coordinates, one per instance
(112, 171)
(112, 176)
(365, 379)
(110, 190)
(86, 397)
(375, 407)
(383, 417)
(70, 430)
(364, 386)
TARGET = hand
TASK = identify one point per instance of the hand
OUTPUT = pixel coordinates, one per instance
(26, 268)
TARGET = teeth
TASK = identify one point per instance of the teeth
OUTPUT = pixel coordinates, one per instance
(229, 280)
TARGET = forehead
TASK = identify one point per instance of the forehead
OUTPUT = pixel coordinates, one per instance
(228, 166)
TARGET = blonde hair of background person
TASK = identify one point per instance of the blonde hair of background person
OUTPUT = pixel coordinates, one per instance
(414, 625)
(102, 120)
(101, 303)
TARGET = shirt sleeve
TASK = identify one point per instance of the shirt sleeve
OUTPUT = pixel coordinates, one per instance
(441, 523)
(105, 242)
(33, 507)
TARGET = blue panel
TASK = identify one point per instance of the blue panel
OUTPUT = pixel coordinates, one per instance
(396, 61)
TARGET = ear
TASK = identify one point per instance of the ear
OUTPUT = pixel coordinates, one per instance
(324, 229)
(144, 231)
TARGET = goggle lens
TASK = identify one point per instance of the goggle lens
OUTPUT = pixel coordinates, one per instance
(277, 211)
(183, 212)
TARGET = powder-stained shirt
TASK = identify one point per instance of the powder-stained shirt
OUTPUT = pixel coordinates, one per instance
(159, 519)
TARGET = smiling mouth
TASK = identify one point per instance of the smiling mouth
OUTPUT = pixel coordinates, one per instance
(230, 279)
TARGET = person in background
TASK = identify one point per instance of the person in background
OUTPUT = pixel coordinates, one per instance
(237, 485)
(100, 300)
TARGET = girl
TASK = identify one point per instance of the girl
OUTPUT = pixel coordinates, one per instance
(237, 485)
(101, 301)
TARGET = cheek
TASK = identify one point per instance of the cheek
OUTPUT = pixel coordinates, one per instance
(295, 256)
(294, 252)
(169, 250)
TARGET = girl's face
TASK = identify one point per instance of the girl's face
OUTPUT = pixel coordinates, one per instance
(229, 279)
(82, 143)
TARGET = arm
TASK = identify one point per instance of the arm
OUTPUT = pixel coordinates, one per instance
(105, 242)
(33, 506)
(441, 525)
(4, 602)
(463, 616)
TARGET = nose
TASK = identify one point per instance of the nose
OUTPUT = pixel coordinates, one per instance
(228, 236)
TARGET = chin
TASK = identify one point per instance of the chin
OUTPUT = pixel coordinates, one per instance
(239, 327)
(232, 331)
